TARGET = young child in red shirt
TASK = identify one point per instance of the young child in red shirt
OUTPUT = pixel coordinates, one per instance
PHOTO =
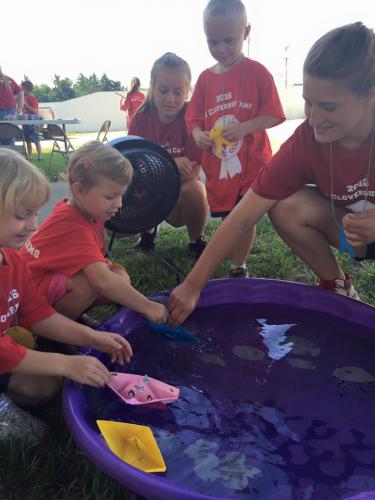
(161, 119)
(28, 376)
(319, 188)
(233, 103)
(133, 100)
(66, 255)
(30, 112)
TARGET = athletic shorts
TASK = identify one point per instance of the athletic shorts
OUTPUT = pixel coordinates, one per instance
(57, 288)
(225, 214)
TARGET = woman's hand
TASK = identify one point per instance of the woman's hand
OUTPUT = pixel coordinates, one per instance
(181, 303)
(359, 227)
(86, 370)
(113, 344)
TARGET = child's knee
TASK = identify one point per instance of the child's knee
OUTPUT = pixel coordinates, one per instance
(120, 271)
(35, 390)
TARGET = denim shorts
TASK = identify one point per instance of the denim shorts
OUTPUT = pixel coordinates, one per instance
(31, 132)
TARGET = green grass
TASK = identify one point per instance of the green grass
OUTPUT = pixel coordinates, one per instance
(57, 165)
(58, 470)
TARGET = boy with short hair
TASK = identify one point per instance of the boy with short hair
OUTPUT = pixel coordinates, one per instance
(233, 103)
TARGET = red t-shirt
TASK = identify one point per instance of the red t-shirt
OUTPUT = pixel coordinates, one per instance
(244, 92)
(7, 99)
(171, 136)
(32, 101)
(302, 160)
(65, 243)
(132, 103)
(21, 298)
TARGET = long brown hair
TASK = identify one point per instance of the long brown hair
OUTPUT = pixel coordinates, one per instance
(347, 54)
(136, 85)
(169, 60)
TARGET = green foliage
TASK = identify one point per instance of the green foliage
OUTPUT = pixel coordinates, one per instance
(64, 88)
(42, 92)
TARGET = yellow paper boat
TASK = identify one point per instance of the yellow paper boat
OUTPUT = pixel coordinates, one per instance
(220, 142)
(135, 444)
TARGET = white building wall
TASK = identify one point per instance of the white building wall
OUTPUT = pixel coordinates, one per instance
(292, 101)
(92, 110)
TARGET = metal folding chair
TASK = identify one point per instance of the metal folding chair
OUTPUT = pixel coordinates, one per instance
(61, 143)
(11, 137)
(102, 135)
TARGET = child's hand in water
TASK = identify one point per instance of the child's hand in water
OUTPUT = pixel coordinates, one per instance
(156, 313)
(182, 302)
(85, 370)
(113, 344)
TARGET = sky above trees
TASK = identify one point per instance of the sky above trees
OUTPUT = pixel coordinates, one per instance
(121, 39)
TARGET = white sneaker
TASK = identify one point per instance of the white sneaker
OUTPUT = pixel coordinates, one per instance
(342, 287)
(16, 423)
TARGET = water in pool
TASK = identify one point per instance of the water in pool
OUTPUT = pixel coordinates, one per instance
(273, 405)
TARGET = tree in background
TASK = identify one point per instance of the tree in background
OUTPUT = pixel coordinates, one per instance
(107, 84)
(63, 88)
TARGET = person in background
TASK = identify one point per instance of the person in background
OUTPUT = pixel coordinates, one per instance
(66, 255)
(27, 376)
(233, 103)
(161, 119)
(11, 101)
(30, 112)
(133, 99)
(319, 188)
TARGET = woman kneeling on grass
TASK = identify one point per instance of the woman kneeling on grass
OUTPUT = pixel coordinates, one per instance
(29, 377)
(334, 151)
(161, 119)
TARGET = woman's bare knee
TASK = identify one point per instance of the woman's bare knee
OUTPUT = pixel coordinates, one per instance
(305, 207)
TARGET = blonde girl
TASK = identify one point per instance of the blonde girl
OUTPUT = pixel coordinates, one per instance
(67, 255)
(27, 376)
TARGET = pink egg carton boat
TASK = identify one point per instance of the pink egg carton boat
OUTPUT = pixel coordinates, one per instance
(143, 390)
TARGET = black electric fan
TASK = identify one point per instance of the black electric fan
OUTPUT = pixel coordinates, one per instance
(154, 190)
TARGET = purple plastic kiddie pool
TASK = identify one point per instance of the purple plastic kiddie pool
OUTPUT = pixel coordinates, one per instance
(277, 401)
